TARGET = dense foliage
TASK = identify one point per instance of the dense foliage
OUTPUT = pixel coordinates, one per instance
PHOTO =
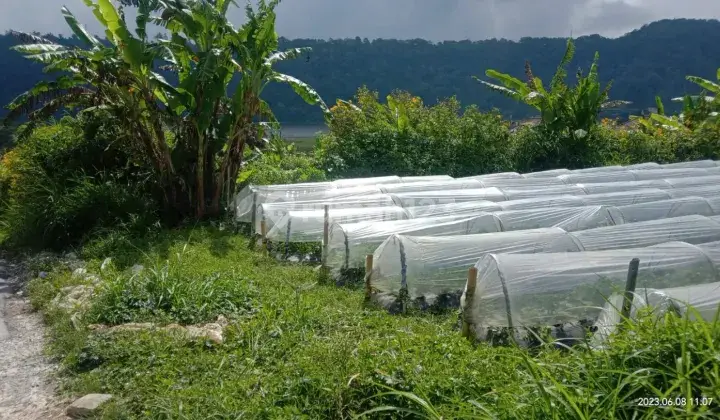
(652, 60)
(196, 168)
(71, 179)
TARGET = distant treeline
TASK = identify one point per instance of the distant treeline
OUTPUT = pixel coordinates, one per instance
(653, 60)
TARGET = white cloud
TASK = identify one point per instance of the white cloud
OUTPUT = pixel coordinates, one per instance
(430, 19)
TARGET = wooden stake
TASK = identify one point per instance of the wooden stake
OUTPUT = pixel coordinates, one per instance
(326, 234)
(263, 235)
(368, 275)
(629, 289)
(469, 293)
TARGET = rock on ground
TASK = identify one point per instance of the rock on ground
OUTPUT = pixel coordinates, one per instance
(87, 405)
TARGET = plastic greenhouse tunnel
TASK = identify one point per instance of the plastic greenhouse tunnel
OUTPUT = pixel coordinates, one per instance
(516, 293)
(270, 213)
(704, 299)
(309, 225)
(428, 266)
(350, 243)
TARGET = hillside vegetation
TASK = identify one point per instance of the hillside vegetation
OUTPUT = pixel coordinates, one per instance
(652, 60)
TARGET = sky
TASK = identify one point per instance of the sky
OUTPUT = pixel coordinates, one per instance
(435, 20)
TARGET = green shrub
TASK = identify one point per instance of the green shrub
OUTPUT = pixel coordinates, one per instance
(68, 180)
(540, 148)
(286, 168)
(404, 137)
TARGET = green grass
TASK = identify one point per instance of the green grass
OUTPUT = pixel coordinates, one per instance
(300, 348)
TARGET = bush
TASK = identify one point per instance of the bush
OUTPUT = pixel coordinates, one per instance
(540, 148)
(404, 137)
(68, 180)
(287, 168)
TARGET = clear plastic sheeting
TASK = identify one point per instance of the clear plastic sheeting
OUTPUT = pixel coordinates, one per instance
(646, 165)
(611, 187)
(454, 184)
(538, 202)
(671, 173)
(552, 173)
(570, 219)
(425, 178)
(349, 243)
(357, 182)
(520, 194)
(704, 299)
(500, 175)
(453, 209)
(696, 191)
(521, 182)
(612, 168)
(435, 265)
(272, 212)
(432, 198)
(244, 199)
(624, 198)
(664, 209)
(691, 164)
(693, 181)
(432, 265)
(531, 290)
(309, 226)
(693, 229)
(595, 177)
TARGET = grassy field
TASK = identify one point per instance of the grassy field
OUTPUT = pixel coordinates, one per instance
(298, 348)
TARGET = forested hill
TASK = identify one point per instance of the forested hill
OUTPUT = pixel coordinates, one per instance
(649, 61)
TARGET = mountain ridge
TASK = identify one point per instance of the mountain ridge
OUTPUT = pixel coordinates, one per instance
(651, 60)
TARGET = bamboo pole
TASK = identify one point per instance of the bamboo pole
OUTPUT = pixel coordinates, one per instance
(368, 275)
(469, 293)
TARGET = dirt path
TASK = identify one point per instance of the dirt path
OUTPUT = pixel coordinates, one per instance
(26, 390)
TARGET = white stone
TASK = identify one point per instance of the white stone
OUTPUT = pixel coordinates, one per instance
(79, 272)
(106, 264)
(87, 405)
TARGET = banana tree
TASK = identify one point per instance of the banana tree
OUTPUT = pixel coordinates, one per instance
(208, 53)
(117, 75)
(562, 107)
(212, 128)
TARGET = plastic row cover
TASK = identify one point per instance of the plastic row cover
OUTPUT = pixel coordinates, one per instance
(427, 265)
(309, 225)
(276, 215)
(515, 290)
(440, 197)
(704, 299)
(313, 191)
(271, 213)
(637, 175)
(244, 199)
(349, 243)
(621, 198)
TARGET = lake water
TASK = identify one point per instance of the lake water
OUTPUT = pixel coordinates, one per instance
(293, 132)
